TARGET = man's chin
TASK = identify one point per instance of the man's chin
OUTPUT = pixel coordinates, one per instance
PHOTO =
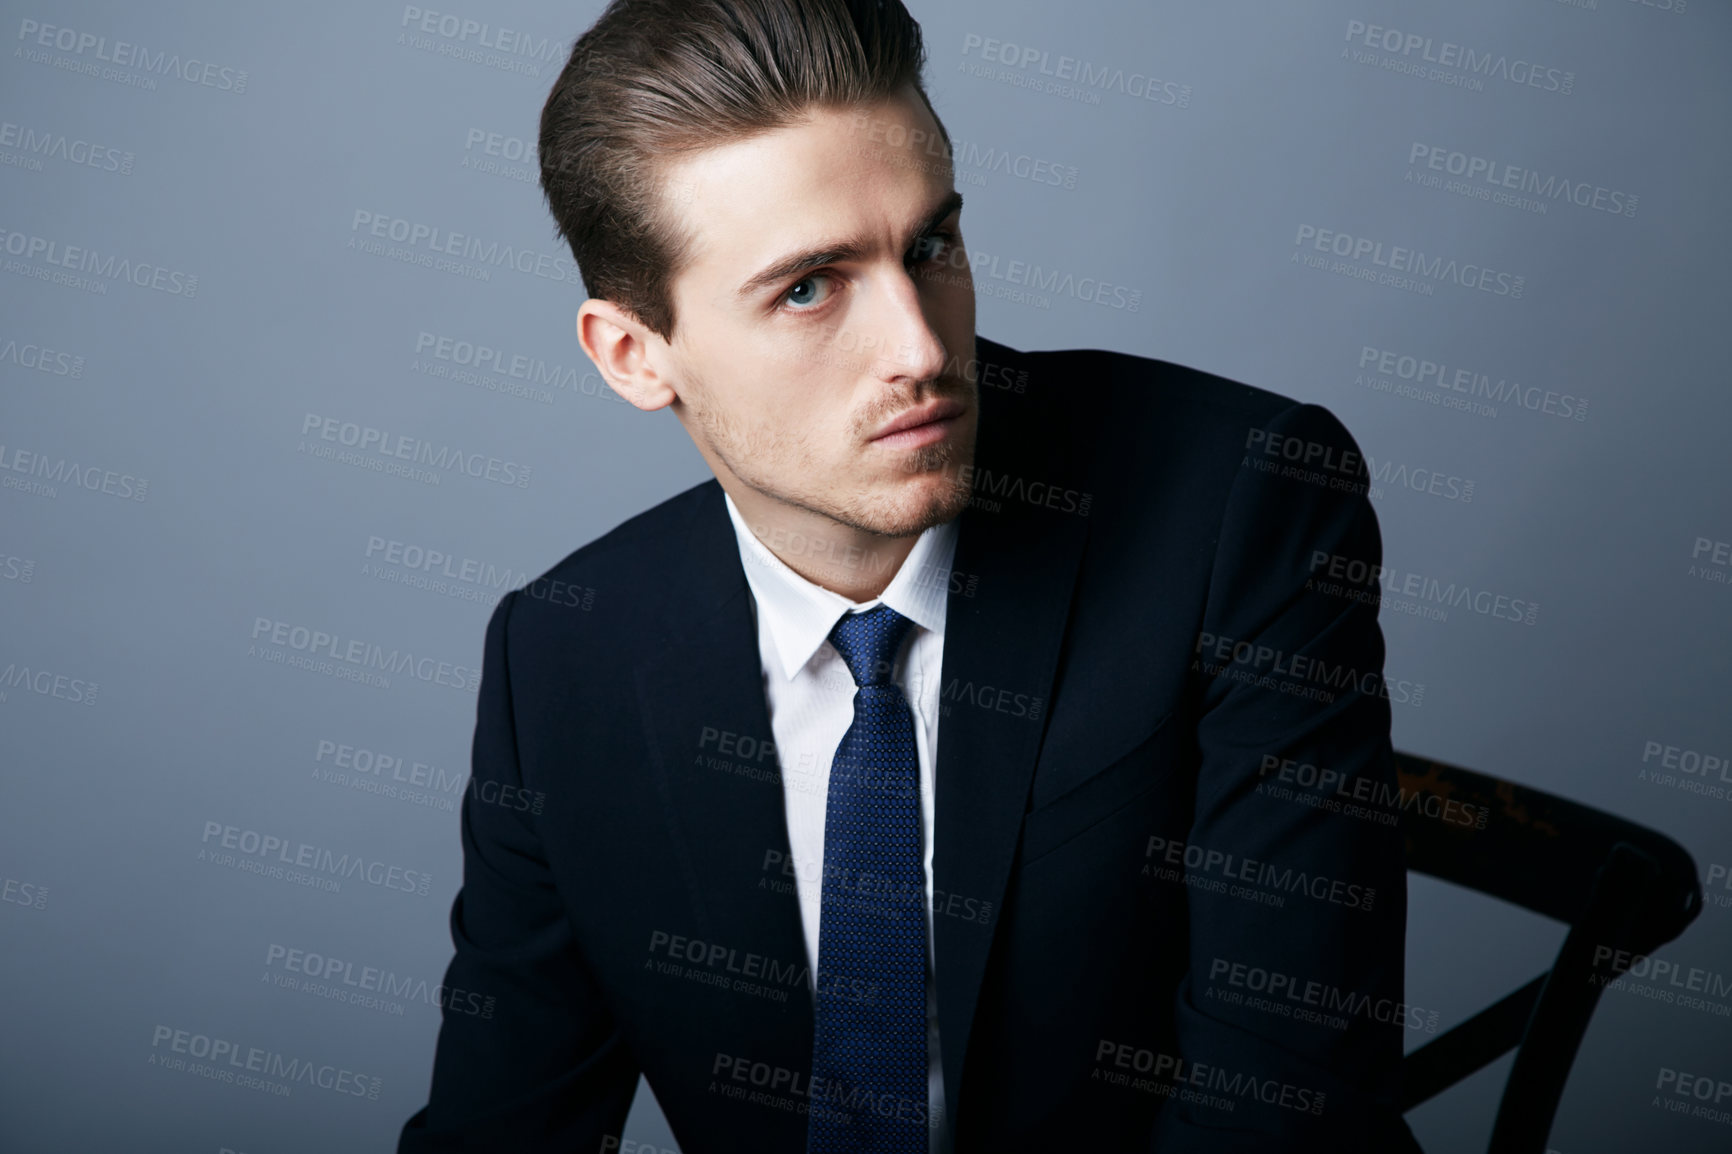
(915, 508)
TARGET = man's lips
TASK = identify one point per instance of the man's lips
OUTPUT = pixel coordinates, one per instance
(920, 425)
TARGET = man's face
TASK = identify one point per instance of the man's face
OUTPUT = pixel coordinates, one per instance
(827, 296)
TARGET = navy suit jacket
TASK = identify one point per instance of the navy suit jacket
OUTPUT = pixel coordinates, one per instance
(1150, 935)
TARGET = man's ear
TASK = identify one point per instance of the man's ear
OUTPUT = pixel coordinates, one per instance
(621, 346)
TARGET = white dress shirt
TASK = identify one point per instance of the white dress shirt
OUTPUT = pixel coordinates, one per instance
(810, 694)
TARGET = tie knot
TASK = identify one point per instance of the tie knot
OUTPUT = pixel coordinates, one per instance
(868, 643)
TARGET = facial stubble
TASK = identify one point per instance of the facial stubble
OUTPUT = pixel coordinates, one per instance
(740, 446)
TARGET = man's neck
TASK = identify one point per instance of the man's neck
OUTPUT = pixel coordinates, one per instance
(854, 563)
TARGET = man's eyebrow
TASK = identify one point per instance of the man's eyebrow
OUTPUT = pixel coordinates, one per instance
(830, 254)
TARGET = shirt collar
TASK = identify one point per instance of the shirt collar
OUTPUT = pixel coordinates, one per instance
(800, 614)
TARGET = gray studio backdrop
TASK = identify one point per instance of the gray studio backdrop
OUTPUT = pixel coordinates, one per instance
(291, 396)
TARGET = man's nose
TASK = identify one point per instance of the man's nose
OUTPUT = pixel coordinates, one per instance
(904, 341)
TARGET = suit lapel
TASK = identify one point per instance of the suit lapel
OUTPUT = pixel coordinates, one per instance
(1001, 650)
(698, 681)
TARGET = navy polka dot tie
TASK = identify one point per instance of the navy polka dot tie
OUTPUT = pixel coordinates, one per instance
(868, 1087)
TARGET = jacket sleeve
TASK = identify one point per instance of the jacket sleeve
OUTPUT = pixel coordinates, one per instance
(1290, 1019)
(528, 1058)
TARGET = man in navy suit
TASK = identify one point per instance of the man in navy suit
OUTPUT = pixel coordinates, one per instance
(960, 769)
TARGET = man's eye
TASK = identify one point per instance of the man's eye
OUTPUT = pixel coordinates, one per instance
(931, 247)
(806, 293)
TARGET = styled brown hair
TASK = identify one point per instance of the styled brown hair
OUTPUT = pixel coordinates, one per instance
(655, 78)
